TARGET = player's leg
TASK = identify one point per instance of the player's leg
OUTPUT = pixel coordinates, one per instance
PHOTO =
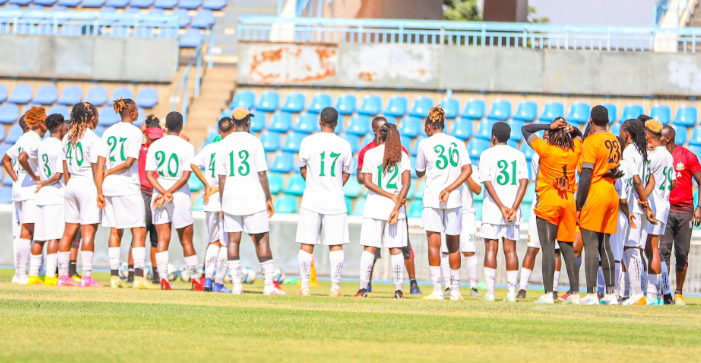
(408, 253)
(654, 268)
(162, 257)
(578, 245)
(394, 236)
(572, 266)
(378, 255)
(138, 253)
(130, 266)
(257, 226)
(608, 267)
(335, 235)
(152, 235)
(547, 232)
(453, 227)
(35, 263)
(682, 245)
(591, 264)
(211, 254)
(433, 224)
(445, 265)
(558, 267)
(511, 264)
(87, 252)
(222, 261)
(233, 257)
(114, 252)
(308, 235)
(23, 247)
(64, 254)
(527, 269)
(490, 262)
(74, 249)
(371, 232)
(190, 256)
(397, 271)
(51, 278)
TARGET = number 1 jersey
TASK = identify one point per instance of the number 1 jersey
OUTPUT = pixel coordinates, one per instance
(503, 166)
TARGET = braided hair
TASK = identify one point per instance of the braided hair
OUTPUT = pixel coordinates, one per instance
(560, 138)
(393, 146)
(122, 104)
(636, 130)
(152, 122)
(436, 117)
(81, 114)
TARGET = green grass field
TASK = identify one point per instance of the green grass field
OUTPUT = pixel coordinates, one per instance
(93, 325)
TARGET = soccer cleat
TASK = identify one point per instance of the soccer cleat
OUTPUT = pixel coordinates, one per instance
(414, 288)
(304, 292)
(636, 300)
(116, 282)
(590, 299)
(600, 295)
(474, 292)
(76, 278)
(361, 293)
(668, 299)
(237, 290)
(521, 294)
(434, 296)
(207, 285)
(609, 299)
(488, 298)
(510, 298)
(572, 299)
(34, 280)
(51, 281)
(18, 281)
(142, 284)
(564, 297)
(67, 281)
(398, 294)
(679, 299)
(90, 282)
(335, 293)
(221, 289)
(277, 285)
(653, 302)
(165, 284)
(198, 284)
(272, 291)
(370, 286)
(447, 291)
(554, 295)
(546, 299)
(455, 295)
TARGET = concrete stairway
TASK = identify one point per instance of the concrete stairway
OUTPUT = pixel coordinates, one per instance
(695, 18)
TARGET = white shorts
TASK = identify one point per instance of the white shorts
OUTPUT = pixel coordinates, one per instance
(26, 211)
(126, 211)
(654, 229)
(178, 211)
(636, 236)
(252, 224)
(468, 236)
(215, 228)
(499, 231)
(374, 231)
(50, 222)
(312, 226)
(534, 237)
(443, 220)
(619, 238)
(81, 202)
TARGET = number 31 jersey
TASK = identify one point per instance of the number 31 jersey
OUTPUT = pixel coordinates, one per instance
(503, 166)
(240, 157)
(120, 142)
(442, 157)
(169, 157)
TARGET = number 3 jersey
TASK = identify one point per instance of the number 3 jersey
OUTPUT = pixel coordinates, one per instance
(169, 157)
(503, 166)
(377, 206)
(49, 153)
(442, 157)
(120, 142)
(661, 165)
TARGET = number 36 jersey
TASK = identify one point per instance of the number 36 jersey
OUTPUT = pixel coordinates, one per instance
(442, 157)
(169, 157)
(120, 142)
(503, 166)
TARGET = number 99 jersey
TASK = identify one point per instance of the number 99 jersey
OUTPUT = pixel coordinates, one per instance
(442, 157)
(503, 166)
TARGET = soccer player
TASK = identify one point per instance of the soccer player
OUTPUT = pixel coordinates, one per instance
(152, 132)
(387, 174)
(216, 256)
(172, 202)
(325, 162)
(118, 191)
(624, 187)
(79, 158)
(555, 210)
(682, 215)
(444, 161)
(661, 166)
(504, 172)
(407, 250)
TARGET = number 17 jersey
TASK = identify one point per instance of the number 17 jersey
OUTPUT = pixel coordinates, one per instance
(503, 166)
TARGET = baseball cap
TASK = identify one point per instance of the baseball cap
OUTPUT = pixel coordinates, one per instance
(240, 113)
(154, 133)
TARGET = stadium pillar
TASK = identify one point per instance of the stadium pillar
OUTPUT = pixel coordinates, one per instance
(506, 11)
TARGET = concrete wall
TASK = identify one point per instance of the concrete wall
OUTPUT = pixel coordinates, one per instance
(472, 69)
(95, 58)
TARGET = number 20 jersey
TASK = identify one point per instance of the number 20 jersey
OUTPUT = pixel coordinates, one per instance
(169, 157)
(442, 157)
(503, 166)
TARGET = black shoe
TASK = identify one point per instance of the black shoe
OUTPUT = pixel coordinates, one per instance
(521, 294)
(361, 293)
(398, 294)
(370, 286)
(668, 299)
(555, 295)
(414, 288)
(447, 291)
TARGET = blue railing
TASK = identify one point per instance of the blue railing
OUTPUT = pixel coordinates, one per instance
(181, 92)
(662, 7)
(519, 35)
(79, 23)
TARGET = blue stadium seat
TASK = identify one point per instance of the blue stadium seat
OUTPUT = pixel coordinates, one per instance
(224, 113)
(211, 136)
(147, 97)
(412, 160)
(165, 4)
(44, 2)
(512, 143)
(283, 162)
(501, 110)
(416, 209)
(579, 113)
(353, 189)
(192, 37)
(294, 102)
(686, 116)
(141, 119)
(319, 102)
(476, 146)
(203, 19)
(9, 113)
(406, 142)
(243, 98)
(141, 4)
(214, 4)
(121, 4)
(412, 191)
(680, 139)
(346, 104)
(5, 195)
(451, 106)
(631, 110)
(529, 197)
(390, 119)
(613, 112)
(21, 94)
(421, 107)
(526, 111)
(286, 204)
(354, 142)
(71, 95)
(410, 126)
(2, 134)
(194, 183)
(199, 204)
(271, 140)
(14, 134)
(359, 125)
(46, 95)
(371, 105)
(268, 101)
(259, 121)
(97, 95)
(474, 109)
(3, 93)
(108, 9)
(122, 92)
(551, 111)
(615, 129)
(516, 134)
(60, 109)
(415, 149)
(397, 106)
(420, 191)
(462, 129)
(661, 113)
(275, 182)
(359, 207)
(369, 137)
(281, 122)
(107, 117)
(92, 3)
(7, 180)
(484, 131)
(189, 4)
(295, 185)
(99, 130)
(292, 142)
(306, 123)
(695, 136)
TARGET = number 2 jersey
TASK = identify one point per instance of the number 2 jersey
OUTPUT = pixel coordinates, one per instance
(601, 152)
(49, 153)
(661, 165)
(504, 167)
(120, 142)
(169, 157)
(377, 206)
(442, 157)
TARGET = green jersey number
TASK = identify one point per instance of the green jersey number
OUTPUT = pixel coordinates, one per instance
(667, 180)
(504, 176)
(47, 168)
(392, 182)
(173, 164)
(333, 156)
(212, 164)
(112, 142)
(244, 169)
(78, 151)
(15, 162)
(442, 161)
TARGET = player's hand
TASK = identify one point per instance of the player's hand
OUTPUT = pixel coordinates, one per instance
(443, 197)
(512, 215)
(505, 212)
(101, 201)
(614, 172)
(207, 193)
(393, 217)
(697, 217)
(645, 204)
(578, 213)
(394, 198)
(105, 173)
(270, 207)
(559, 124)
(158, 201)
(631, 220)
(168, 197)
(40, 184)
(651, 216)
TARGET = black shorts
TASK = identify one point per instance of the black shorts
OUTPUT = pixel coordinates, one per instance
(150, 227)
(677, 234)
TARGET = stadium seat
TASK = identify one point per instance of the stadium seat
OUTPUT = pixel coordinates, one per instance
(108, 117)
(283, 162)
(476, 147)
(410, 126)
(319, 102)
(406, 142)
(7, 180)
(271, 140)
(516, 134)
(371, 105)
(92, 3)
(412, 160)
(71, 95)
(613, 112)
(415, 149)
(224, 113)
(215, 5)
(346, 104)
(147, 97)
(121, 4)
(21, 94)
(97, 95)
(354, 142)
(268, 101)
(198, 206)
(281, 122)
(526, 212)
(359, 207)
(9, 113)
(5, 195)
(306, 123)
(661, 113)
(108, 9)
(292, 142)
(46, 3)
(3, 93)
(2, 134)
(579, 113)
(680, 139)
(697, 151)
(631, 110)
(275, 182)
(211, 136)
(190, 4)
(529, 197)
(451, 106)
(421, 107)
(294, 102)
(258, 121)
(397, 106)
(526, 111)
(14, 134)
(195, 183)
(339, 125)
(420, 191)
(192, 37)
(695, 136)
(165, 4)
(62, 110)
(141, 4)
(501, 110)
(46, 95)
(353, 189)
(369, 137)
(286, 204)
(243, 98)
(474, 109)
(203, 19)
(122, 92)
(462, 129)
(416, 209)
(141, 119)
(412, 191)
(359, 125)
(295, 185)
(551, 111)
(686, 116)
(484, 131)
(615, 129)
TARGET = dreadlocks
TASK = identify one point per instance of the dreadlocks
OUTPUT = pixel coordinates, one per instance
(122, 104)
(81, 114)
(635, 128)
(393, 146)
(436, 117)
(560, 138)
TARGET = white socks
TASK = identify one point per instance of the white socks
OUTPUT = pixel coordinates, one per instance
(63, 260)
(471, 264)
(305, 268)
(268, 270)
(114, 255)
(34, 264)
(22, 249)
(436, 279)
(664, 281)
(601, 284)
(162, 263)
(336, 260)
(454, 280)
(525, 276)
(51, 260)
(398, 271)
(445, 268)
(634, 270)
(617, 271)
(86, 257)
(222, 265)
(210, 260)
(235, 271)
(138, 254)
(511, 281)
(556, 280)
(653, 286)
(192, 266)
(490, 276)
(366, 261)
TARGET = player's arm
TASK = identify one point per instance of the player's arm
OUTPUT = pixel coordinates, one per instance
(623, 206)
(24, 161)
(263, 178)
(650, 185)
(180, 183)
(54, 178)
(121, 167)
(523, 185)
(184, 137)
(208, 190)
(406, 183)
(345, 177)
(66, 173)
(505, 211)
(7, 163)
(697, 211)
(222, 184)
(474, 186)
(100, 176)
(367, 181)
(584, 184)
(154, 182)
(303, 172)
(465, 173)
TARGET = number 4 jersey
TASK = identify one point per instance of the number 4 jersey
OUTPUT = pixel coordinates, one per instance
(377, 206)
(503, 166)
(442, 157)
(120, 142)
(169, 157)
(661, 165)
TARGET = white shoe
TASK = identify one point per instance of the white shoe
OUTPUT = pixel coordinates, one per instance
(635, 300)
(434, 296)
(573, 299)
(18, 281)
(455, 295)
(546, 299)
(237, 290)
(590, 299)
(488, 298)
(510, 298)
(271, 290)
(609, 299)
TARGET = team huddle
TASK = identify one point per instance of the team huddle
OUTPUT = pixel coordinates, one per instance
(68, 182)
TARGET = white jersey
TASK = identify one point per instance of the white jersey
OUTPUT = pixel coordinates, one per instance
(503, 166)
(240, 158)
(468, 204)
(49, 165)
(25, 187)
(206, 160)
(327, 157)
(635, 160)
(377, 206)
(80, 157)
(661, 165)
(442, 157)
(120, 142)
(169, 157)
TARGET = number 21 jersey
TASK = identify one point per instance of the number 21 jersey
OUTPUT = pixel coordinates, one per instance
(442, 157)
(504, 167)
(169, 157)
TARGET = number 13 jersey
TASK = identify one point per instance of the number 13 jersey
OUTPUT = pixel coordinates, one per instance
(442, 157)
(503, 166)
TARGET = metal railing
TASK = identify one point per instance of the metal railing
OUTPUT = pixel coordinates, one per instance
(181, 92)
(81, 23)
(516, 35)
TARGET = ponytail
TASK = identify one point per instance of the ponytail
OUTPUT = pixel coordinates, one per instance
(393, 146)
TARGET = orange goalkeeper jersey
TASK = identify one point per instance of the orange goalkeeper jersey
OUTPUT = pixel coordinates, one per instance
(600, 151)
